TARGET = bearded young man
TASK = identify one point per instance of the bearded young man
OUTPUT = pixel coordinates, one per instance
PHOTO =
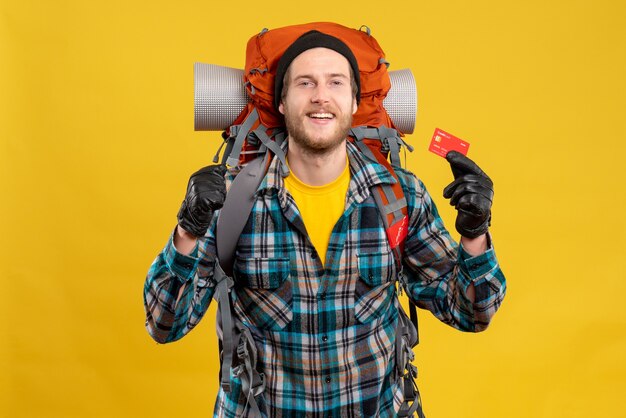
(315, 272)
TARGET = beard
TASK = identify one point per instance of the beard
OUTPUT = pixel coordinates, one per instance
(317, 143)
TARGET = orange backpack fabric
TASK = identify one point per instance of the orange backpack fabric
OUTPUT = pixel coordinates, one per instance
(265, 49)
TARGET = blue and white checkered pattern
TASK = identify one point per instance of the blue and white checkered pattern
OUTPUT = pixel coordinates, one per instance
(325, 333)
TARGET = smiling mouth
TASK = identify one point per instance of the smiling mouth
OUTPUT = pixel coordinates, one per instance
(321, 116)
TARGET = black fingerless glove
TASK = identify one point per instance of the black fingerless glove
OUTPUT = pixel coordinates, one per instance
(206, 192)
(471, 193)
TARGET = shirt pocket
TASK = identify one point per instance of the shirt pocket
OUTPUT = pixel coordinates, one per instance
(264, 296)
(375, 286)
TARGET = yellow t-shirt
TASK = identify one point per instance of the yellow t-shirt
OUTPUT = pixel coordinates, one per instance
(320, 206)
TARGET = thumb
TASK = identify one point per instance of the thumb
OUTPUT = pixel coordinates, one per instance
(460, 164)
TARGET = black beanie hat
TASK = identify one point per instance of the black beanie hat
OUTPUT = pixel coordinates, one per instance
(310, 40)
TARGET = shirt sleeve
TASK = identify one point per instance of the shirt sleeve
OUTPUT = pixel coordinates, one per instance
(179, 288)
(438, 271)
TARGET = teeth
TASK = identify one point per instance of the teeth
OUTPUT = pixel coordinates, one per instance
(321, 115)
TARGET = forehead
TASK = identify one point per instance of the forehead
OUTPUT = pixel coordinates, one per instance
(320, 59)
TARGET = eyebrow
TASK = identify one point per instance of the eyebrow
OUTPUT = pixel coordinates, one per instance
(329, 75)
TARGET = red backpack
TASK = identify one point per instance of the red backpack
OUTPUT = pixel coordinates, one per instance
(254, 138)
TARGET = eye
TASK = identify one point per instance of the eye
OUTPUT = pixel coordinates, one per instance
(305, 83)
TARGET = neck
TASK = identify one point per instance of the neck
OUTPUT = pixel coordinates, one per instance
(317, 169)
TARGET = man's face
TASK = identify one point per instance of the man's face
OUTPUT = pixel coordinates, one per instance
(319, 103)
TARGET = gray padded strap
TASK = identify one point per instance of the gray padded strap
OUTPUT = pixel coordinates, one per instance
(242, 134)
(232, 219)
(231, 222)
(237, 208)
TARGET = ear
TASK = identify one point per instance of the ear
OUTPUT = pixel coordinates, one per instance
(281, 108)
(354, 106)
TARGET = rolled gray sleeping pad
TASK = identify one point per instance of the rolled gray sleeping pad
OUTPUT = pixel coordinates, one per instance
(219, 97)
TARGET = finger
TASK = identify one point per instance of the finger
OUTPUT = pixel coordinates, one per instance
(467, 178)
(207, 180)
(471, 188)
(460, 164)
(449, 190)
(219, 169)
(215, 198)
(474, 204)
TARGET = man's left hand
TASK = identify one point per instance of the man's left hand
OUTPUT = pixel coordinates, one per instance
(471, 193)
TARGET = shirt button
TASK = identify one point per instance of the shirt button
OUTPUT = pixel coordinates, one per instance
(324, 338)
(314, 255)
(327, 380)
(323, 295)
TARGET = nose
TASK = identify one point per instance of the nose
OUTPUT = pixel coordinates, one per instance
(320, 94)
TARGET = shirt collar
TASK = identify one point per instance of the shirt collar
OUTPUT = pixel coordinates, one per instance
(364, 173)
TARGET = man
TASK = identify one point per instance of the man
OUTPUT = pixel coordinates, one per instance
(315, 275)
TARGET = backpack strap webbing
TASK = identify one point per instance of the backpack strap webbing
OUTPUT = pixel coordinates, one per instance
(252, 382)
(411, 394)
(390, 140)
(222, 295)
(233, 149)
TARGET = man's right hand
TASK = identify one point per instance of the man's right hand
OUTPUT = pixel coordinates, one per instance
(206, 192)
(471, 193)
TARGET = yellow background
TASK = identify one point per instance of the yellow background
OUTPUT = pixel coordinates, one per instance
(97, 143)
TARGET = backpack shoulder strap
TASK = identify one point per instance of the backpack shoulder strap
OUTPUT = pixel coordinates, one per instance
(236, 210)
(396, 233)
(236, 339)
(393, 209)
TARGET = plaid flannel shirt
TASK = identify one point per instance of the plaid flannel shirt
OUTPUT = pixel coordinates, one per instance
(325, 333)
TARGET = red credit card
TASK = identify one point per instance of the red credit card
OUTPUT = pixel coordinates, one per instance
(444, 142)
